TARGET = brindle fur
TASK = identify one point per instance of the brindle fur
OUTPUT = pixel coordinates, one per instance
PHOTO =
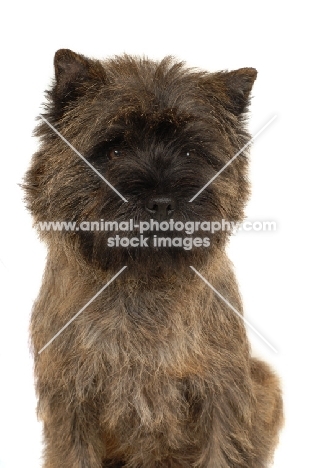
(157, 371)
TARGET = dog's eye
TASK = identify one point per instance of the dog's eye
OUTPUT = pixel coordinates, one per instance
(188, 154)
(115, 153)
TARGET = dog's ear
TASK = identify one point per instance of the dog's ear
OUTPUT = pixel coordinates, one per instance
(234, 88)
(70, 66)
(74, 73)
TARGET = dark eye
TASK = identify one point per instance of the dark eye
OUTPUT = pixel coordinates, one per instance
(189, 153)
(115, 153)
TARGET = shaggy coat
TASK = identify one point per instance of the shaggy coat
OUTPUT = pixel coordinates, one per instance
(156, 371)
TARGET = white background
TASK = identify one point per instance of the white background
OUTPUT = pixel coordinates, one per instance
(272, 269)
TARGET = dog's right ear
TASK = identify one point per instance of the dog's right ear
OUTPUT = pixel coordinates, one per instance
(74, 73)
(69, 67)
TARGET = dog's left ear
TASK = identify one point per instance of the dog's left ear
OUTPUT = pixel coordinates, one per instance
(234, 88)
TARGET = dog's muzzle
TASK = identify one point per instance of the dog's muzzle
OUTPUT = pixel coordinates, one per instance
(160, 208)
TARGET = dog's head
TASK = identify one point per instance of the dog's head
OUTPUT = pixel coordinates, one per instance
(158, 132)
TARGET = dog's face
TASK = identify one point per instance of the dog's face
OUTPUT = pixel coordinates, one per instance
(157, 132)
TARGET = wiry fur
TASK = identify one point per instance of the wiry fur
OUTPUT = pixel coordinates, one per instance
(156, 372)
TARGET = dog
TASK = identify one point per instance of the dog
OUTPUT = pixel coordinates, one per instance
(139, 362)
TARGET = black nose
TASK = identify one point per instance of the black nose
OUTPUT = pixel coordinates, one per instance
(160, 207)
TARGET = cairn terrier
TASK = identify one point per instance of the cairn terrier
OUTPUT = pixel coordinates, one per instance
(155, 370)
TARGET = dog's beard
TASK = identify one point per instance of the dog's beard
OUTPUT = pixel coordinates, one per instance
(153, 250)
(153, 258)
